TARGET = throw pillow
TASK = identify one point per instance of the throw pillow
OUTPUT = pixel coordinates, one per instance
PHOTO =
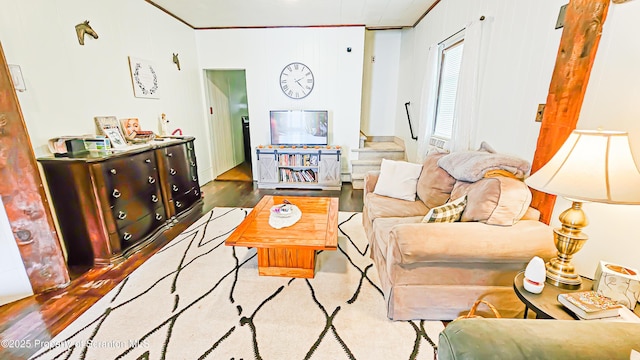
(449, 212)
(495, 201)
(434, 184)
(398, 179)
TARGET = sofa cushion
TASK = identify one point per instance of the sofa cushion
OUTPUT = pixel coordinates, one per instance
(398, 179)
(449, 212)
(434, 184)
(379, 206)
(496, 201)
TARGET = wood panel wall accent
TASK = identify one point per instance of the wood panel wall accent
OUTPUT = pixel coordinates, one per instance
(578, 46)
(23, 194)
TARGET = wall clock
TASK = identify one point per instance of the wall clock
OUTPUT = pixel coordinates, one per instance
(296, 80)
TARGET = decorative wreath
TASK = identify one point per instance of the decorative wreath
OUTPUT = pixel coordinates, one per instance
(143, 88)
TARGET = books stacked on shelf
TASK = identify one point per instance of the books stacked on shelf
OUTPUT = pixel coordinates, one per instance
(298, 160)
(288, 175)
(590, 305)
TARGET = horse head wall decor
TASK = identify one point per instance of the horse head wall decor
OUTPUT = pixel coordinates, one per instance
(84, 28)
(176, 60)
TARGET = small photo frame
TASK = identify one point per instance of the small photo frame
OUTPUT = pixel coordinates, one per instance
(116, 138)
(130, 127)
(109, 126)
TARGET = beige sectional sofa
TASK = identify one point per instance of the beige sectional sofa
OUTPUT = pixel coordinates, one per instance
(436, 271)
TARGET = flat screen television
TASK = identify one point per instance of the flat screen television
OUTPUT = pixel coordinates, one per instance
(299, 127)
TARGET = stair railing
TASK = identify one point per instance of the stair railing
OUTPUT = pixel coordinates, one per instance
(406, 107)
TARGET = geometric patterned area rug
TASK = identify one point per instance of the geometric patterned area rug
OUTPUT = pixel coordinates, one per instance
(199, 299)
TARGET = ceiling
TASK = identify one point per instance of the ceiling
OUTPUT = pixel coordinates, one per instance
(374, 14)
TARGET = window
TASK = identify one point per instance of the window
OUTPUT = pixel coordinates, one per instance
(450, 61)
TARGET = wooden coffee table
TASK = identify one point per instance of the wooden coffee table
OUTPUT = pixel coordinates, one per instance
(290, 251)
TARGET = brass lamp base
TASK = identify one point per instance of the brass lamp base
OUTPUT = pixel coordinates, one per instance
(568, 239)
(559, 275)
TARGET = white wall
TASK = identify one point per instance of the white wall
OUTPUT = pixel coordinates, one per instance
(611, 102)
(14, 282)
(521, 54)
(380, 82)
(68, 84)
(263, 53)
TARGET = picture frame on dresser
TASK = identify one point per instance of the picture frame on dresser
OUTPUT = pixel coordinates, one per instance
(110, 127)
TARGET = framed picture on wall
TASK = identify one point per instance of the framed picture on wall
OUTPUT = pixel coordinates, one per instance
(144, 77)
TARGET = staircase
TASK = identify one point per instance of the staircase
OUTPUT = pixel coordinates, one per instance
(370, 155)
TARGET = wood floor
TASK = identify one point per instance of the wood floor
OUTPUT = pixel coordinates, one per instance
(26, 323)
(241, 172)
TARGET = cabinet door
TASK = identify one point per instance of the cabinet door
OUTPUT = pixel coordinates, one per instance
(267, 167)
(329, 170)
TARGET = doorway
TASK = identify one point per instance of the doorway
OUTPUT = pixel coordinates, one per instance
(230, 124)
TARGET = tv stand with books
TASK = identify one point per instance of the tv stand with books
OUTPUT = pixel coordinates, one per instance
(299, 167)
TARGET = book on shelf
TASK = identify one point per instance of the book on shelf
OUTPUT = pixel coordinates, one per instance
(590, 305)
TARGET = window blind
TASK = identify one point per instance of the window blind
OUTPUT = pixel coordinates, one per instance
(447, 90)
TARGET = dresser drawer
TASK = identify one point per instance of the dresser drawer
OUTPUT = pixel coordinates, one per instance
(141, 205)
(185, 200)
(133, 233)
(126, 178)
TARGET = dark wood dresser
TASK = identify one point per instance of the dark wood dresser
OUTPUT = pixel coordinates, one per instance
(111, 204)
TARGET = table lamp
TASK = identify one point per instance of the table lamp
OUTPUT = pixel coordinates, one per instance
(592, 166)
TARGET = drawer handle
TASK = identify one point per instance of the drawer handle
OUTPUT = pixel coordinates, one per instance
(116, 194)
(113, 171)
(122, 215)
(194, 178)
(172, 171)
(154, 198)
(148, 161)
(127, 236)
(151, 180)
(158, 217)
(174, 187)
(193, 163)
(196, 193)
(169, 154)
(178, 204)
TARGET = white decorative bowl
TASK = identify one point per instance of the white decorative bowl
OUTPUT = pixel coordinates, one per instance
(283, 210)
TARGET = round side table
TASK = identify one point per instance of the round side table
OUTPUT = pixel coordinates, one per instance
(545, 304)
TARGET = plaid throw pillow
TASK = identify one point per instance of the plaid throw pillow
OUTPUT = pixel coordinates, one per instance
(449, 212)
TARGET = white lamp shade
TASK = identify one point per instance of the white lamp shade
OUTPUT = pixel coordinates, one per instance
(591, 166)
